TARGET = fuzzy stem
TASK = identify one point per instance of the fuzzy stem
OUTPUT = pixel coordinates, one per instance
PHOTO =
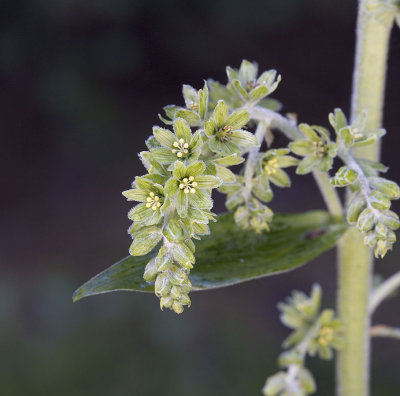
(384, 331)
(383, 291)
(354, 258)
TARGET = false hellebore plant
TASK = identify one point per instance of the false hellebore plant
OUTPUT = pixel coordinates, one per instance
(198, 150)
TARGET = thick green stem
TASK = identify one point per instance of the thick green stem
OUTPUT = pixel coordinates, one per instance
(354, 258)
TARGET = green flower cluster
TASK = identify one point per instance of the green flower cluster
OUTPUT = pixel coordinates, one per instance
(247, 198)
(369, 208)
(314, 332)
(185, 161)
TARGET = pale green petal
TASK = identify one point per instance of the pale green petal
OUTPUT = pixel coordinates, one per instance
(229, 160)
(189, 94)
(308, 164)
(226, 175)
(195, 169)
(244, 139)
(182, 130)
(182, 203)
(208, 181)
(280, 178)
(220, 114)
(201, 199)
(171, 187)
(179, 170)
(136, 194)
(238, 119)
(302, 147)
(163, 155)
(247, 72)
(285, 161)
(191, 117)
(164, 136)
(203, 101)
(140, 212)
(258, 93)
(143, 183)
(309, 132)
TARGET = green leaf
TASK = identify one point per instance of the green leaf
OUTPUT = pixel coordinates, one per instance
(229, 256)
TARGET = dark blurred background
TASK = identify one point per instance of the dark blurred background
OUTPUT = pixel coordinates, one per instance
(82, 82)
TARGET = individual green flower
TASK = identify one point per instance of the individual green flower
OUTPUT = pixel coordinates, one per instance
(353, 135)
(191, 187)
(151, 194)
(317, 149)
(246, 84)
(195, 110)
(225, 133)
(180, 145)
(329, 335)
(271, 166)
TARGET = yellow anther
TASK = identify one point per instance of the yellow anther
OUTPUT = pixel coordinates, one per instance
(186, 190)
(185, 151)
(194, 184)
(325, 336)
(181, 141)
(173, 151)
(314, 143)
(176, 144)
(186, 145)
(153, 201)
(181, 186)
(179, 154)
(185, 180)
(192, 191)
(151, 169)
(191, 178)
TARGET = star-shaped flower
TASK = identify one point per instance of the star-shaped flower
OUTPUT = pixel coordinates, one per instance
(152, 196)
(181, 145)
(248, 86)
(191, 187)
(225, 133)
(317, 149)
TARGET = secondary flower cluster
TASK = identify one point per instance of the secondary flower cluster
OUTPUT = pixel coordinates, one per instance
(314, 332)
(185, 163)
(369, 207)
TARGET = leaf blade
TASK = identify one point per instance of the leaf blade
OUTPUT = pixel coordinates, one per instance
(230, 256)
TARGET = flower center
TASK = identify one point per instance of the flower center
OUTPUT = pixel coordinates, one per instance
(325, 336)
(271, 166)
(182, 148)
(319, 149)
(153, 201)
(188, 184)
(193, 106)
(356, 133)
(224, 133)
